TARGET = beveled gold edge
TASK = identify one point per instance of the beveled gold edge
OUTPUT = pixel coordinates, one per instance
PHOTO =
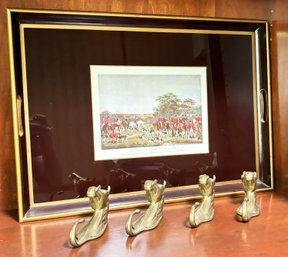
(14, 119)
(168, 201)
(25, 85)
(269, 105)
(133, 15)
(255, 104)
(137, 29)
(26, 115)
(256, 111)
(134, 193)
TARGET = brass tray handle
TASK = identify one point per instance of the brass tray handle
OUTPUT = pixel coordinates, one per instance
(263, 105)
(19, 116)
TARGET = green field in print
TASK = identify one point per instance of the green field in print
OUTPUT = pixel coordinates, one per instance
(174, 121)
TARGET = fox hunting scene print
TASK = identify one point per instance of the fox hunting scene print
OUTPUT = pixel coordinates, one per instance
(144, 111)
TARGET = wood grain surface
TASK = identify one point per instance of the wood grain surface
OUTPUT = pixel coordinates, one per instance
(265, 235)
(279, 67)
(275, 11)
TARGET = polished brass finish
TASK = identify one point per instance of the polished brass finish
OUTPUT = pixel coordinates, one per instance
(15, 119)
(96, 226)
(204, 211)
(263, 105)
(153, 215)
(19, 116)
(249, 207)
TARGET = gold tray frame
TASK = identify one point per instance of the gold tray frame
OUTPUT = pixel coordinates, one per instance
(79, 205)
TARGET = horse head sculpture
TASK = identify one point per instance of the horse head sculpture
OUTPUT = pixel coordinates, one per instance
(153, 215)
(204, 211)
(96, 226)
(249, 207)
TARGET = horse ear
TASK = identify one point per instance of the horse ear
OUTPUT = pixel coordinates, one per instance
(164, 183)
(108, 189)
(154, 182)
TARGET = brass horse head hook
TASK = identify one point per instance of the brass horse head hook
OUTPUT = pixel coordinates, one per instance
(99, 200)
(153, 215)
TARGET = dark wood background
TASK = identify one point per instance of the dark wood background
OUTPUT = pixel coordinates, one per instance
(275, 11)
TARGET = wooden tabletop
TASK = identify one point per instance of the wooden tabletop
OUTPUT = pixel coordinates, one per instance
(266, 235)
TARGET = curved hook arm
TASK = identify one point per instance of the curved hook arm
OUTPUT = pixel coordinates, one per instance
(192, 216)
(129, 226)
(74, 241)
(245, 214)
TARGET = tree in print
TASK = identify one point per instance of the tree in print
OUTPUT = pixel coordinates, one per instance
(170, 105)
